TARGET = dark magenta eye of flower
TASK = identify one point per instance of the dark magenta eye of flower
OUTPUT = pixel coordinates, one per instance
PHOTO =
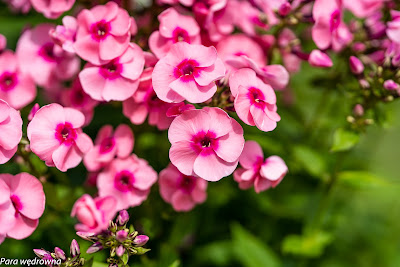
(124, 181)
(8, 81)
(186, 68)
(107, 145)
(335, 20)
(47, 53)
(240, 54)
(187, 183)
(206, 142)
(180, 35)
(256, 97)
(111, 70)
(65, 133)
(100, 30)
(16, 203)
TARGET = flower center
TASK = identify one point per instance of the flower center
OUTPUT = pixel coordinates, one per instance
(187, 184)
(335, 20)
(100, 30)
(186, 69)
(111, 70)
(204, 143)
(256, 97)
(65, 133)
(47, 53)
(8, 81)
(107, 145)
(180, 35)
(16, 203)
(124, 181)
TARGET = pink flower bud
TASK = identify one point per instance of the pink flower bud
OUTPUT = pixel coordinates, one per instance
(141, 240)
(358, 110)
(59, 253)
(120, 251)
(94, 248)
(359, 47)
(33, 111)
(356, 66)
(285, 9)
(121, 235)
(123, 217)
(319, 59)
(41, 253)
(364, 83)
(85, 235)
(390, 85)
(75, 249)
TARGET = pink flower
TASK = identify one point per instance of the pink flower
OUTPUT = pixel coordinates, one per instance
(175, 2)
(285, 41)
(94, 215)
(356, 66)
(329, 28)
(64, 35)
(19, 6)
(52, 9)
(109, 145)
(182, 191)
(22, 202)
(16, 88)
(249, 18)
(205, 143)
(56, 137)
(178, 109)
(103, 33)
(114, 80)
(10, 131)
(363, 8)
(255, 101)
(76, 98)
(262, 174)
(44, 61)
(320, 59)
(146, 103)
(174, 28)
(187, 72)
(393, 27)
(128, 180)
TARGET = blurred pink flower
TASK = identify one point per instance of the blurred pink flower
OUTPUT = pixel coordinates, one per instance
(182, 191)
(146, 103)
(16, 88)
(174, 28)
(187, 72)
(22, 202)
(10, 131)
(3, 43)
(262, 174)
(320, 59)
(205, 143)
(128, 180)
(64, 35)
(94, 215)
(52, 9)
(117, 79)
(44, 61)
(56, 137)
(255, 101)
(363, 8)
(103, 33)
(393, 27)
(356, 66)
(108, 145)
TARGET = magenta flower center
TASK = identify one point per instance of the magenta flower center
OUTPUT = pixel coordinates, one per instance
(78, 98)
(256, 97)
(335, 20)
(152, 101)
(111, 70)
(187, 183)
(8, 81)
(100, 30)
(204, 143)
(16, 203)
(107, 145)
(186, 69)
(180, 35)
(47, 53)
(124, 181)
(65, 133)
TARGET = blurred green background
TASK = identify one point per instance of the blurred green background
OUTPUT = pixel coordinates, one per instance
(332, 209)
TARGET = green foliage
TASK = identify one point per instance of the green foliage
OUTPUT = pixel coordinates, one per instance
(310, 245)
(344, 140)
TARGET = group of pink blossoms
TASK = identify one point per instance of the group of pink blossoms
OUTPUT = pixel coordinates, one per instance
(192, 57)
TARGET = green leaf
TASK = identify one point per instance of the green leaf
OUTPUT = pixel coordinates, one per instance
(176, 263)
(310, 159)
(219, 253)
(250, 250)
(125, 258)
(360, 179)
(311, 245)
(90, 263)
(99, 264)
(344, 140)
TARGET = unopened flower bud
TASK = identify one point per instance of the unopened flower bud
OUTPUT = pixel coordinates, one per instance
(390, 85)
(364, 83)
(41, 253)
(141, 240)
(75, 249)
(356, 66)
(358, 110)
(123, 217)
(120, 251)
(113, 265)
(94, 248)
(285, 9)
(60, 254)
(359, 47)
(121, 235)
(86, 235)
(33, 111)
(320, 59)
